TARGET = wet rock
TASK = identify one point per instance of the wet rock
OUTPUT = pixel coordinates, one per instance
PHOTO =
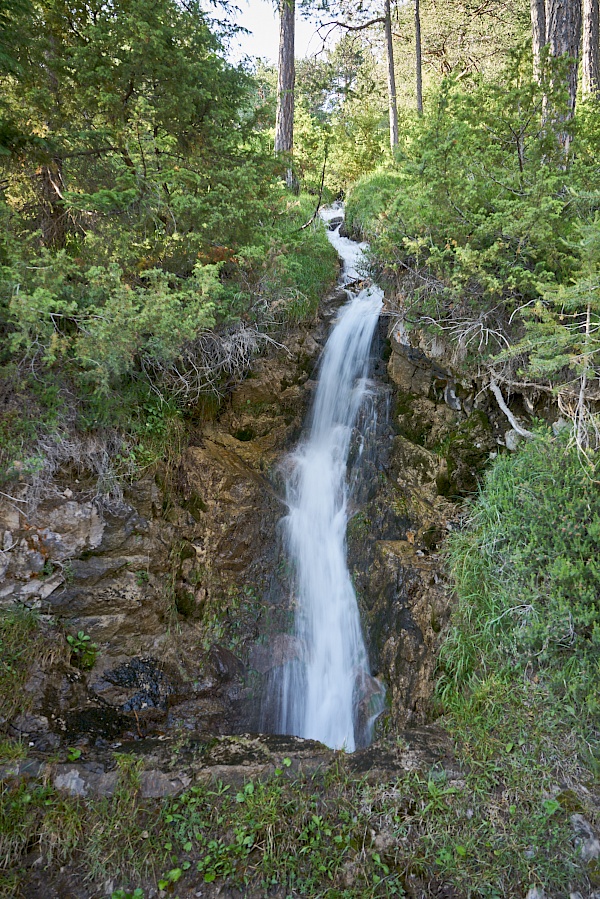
(410, 370)
(409, 611)
(279, 649)
(223, 664)
(193, 557)
(419, 466)
(137, 685)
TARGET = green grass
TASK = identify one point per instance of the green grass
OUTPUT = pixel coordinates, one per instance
(527, 578)
(23, 643)
(520, 669)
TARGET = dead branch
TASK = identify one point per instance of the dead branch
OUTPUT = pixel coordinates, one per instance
(513, 421)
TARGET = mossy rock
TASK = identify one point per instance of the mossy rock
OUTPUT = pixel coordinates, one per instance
(466, 450)
(195, 505)
(185, 602)
(410, 423)
(186, 551)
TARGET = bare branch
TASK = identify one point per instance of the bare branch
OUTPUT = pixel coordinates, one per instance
(501, 402)
(336, 24)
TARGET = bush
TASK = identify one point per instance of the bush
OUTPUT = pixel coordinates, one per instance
(483, 208)
(369, 200)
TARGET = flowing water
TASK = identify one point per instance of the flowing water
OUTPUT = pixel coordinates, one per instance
(328, 694)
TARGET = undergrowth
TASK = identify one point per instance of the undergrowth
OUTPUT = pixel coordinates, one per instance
(111, 395)
(331, 834)
(527, 578)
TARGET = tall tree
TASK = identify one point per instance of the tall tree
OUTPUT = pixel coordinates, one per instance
(418, 59)
(358, 16)
(556, 24)
(393, 103)
(538, 29)
(591, 67)
(563, 36)
(284, 120)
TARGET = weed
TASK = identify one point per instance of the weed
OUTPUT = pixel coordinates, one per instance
(141, 578)
(83, 651)
(119, 840)
(12, 750)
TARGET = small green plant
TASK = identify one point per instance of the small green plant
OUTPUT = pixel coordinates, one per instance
(68, 572)
(142, 577)
(83, 651)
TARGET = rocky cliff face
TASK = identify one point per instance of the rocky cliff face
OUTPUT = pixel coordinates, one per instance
(183, 587)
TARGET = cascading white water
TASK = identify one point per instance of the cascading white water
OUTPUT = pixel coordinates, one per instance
(328, 694)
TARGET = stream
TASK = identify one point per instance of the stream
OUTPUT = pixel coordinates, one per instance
(328, 693)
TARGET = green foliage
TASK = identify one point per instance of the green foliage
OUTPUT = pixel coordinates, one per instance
(276, 832)
(292, 267)
(333, 834)
(482, 206)
(527, 579)
(560, 344)
(140, 209)
(83, 651)
(340, 127)
(369, 200)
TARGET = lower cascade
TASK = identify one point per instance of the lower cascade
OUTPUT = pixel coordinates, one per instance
(328, 693)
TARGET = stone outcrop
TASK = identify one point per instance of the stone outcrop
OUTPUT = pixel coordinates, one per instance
(184, 588)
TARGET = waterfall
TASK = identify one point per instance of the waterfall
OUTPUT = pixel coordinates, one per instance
(328, 694)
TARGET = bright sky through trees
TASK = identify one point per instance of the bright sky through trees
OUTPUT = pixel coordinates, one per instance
(260, 18)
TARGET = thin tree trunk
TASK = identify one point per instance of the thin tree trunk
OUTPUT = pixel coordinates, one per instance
(391, 76)
(418, 59)
(284, 122)
(538, 32)
(591, 67)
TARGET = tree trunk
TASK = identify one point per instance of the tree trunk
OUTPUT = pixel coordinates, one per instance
(391, 76)
(538, 30)
(284, 122)
(53, 216)
(591, 68)
(418, 59)
(563, 34)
